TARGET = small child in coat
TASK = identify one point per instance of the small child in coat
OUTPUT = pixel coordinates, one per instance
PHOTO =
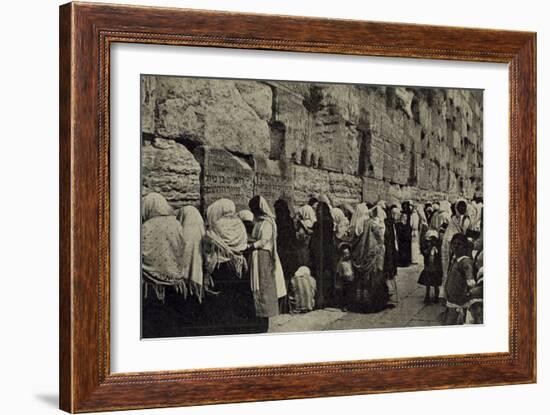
(460, 280)
(344, 278)
(432, 274)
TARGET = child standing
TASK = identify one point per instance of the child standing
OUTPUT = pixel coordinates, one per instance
(460, 279)
(344, 278)
(432, 274)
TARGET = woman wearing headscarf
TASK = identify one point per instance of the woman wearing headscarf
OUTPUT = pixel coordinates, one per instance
(229, 309)
(419, 226)
(360, 216)
(193, 233)
(266, 272)
(428, 212)
(380, 210)
(341, 224)
(287, 243)
(323, 255)
(195, 281)
(441, 216)
(162, 263)
(349, 210)
(474, 212)
(371, 290)
(305, 219)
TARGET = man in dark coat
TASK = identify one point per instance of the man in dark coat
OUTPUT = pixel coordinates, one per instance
(323, 251)
(391, 253)
(404, 235)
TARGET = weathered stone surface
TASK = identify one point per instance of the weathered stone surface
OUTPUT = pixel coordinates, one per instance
(369, 139)
(224, 176)
(309, 182)
(258, 96)
(219, 113)
(345, 188)
(341, 187)
(405, 98)
(148, 102)
(170, 169)
(274, 180)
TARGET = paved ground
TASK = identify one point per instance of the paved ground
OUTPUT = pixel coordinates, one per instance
(409, 312)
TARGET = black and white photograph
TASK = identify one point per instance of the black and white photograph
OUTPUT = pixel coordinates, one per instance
(273, 206)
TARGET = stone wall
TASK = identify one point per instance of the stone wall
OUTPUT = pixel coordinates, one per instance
(295, 139)
(169, 168)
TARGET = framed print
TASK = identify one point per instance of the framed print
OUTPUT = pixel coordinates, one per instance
(261, 207)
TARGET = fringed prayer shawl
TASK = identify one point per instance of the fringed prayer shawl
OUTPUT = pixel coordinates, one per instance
(193, 233)
(153, 205)
(161, 246)
(161, 255)
(226, 238)
(368, 253)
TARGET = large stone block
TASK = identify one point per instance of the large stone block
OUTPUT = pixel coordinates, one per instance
(148, 103)
(170, 169)
(274, 180)
(345, 188)
(213, 112)
(224, 175)
(374, 190)
(309, 182)
(258, 96)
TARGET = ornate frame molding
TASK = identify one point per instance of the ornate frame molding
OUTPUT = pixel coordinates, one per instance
(86, 33)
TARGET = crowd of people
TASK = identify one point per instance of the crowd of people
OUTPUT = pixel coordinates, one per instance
(230, 271)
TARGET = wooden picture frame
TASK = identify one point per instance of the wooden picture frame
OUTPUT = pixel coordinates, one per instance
(86, 33)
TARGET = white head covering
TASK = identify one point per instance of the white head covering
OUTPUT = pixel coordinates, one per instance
(226, 236)
(341, 222)
(379, 210)
(265, 208)
(219, 209)
(161, 246)
(457, 201)
(246, 216)
(153, 205)
(303, 271)
(445, 207)
(280, 285)
(359, 218)
(193, 232)
(431, 233)
(307, 215)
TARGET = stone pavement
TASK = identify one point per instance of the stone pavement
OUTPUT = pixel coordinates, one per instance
(409, 312)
